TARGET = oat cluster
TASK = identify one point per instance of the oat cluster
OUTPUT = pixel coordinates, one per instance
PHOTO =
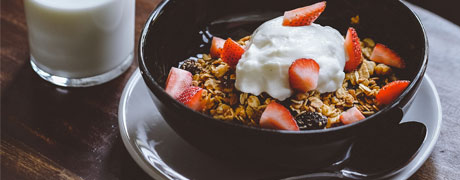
(225, 102)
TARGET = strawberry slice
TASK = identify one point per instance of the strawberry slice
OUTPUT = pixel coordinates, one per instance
(303, 74)
(303, 16)
(391, 91)
(191, 97)
(276, 116)
(178, 80)
(216, 47)
(231, 53)
(353, 50)
(351, 115)
(385, 55)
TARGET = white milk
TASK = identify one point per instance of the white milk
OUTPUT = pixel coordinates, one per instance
(80, 38)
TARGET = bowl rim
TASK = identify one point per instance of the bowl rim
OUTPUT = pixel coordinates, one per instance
(163, 96)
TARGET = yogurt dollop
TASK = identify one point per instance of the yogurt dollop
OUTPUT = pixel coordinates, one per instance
(272, 49)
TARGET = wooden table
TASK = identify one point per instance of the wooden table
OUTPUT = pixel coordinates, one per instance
(49, 132)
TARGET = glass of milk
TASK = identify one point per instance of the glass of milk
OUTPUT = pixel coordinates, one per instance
(78, 43)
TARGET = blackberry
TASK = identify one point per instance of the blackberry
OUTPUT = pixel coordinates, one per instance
(190, 66)
(311, 120)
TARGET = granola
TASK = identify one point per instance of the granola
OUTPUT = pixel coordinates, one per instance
(225, 102)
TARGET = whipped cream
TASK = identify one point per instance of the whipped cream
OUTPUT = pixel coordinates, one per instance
(272, 49)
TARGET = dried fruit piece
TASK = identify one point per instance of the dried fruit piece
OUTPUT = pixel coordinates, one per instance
(351, 115)
(178, 80)
(231, 53)
(385, 55)
(191, 97)
(276, 116)
(353, 50)
(391, 91)
(311, 120)
(303, 74)
(191, 66)
(216, 47)
(303, 16)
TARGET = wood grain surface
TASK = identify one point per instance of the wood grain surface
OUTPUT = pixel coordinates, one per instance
(49, 132)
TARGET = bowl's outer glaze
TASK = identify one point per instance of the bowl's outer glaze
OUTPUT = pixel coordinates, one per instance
(179, 29)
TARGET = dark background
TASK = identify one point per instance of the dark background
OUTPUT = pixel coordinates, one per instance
(448, 9)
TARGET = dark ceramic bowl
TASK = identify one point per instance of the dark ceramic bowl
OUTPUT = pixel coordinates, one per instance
(179, 29)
